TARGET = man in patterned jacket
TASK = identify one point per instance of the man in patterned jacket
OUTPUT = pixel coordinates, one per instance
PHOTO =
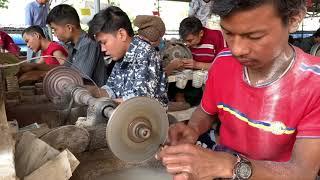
(138, 70)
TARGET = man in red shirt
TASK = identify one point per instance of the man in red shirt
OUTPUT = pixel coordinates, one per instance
(52, 53)
(266, 94)
(7, 44)
(204, 44)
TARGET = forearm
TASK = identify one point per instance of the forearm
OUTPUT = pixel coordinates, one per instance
(281, 170)
(271, 170)
(200, 121)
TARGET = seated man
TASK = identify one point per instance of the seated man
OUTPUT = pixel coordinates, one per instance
(266, 94)
(7, 44)
(138, 70)
(151, 28)
(307, 43)
(84, 53)
(204, 44)
(36, 40)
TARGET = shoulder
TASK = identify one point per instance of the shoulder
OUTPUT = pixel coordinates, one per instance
(224, 61)
(308, 65)
(211, 31)
(142, 43)
(30, 4)
(85, 42)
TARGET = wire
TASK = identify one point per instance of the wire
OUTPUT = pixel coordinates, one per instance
(76, 67)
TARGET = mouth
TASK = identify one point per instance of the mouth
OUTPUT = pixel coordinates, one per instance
(246, 62)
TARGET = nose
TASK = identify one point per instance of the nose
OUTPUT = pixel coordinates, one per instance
(239, 46)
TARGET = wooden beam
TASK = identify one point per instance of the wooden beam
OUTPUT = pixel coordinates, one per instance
(7, 144)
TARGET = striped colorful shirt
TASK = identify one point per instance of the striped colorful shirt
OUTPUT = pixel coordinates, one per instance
(263, 123)
(211, 44)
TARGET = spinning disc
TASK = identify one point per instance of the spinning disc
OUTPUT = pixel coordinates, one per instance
(57, 79)
(136, 129)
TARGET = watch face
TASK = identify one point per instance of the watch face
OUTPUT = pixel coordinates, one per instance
(243, 171)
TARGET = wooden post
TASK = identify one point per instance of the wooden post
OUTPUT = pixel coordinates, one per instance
(7, 144)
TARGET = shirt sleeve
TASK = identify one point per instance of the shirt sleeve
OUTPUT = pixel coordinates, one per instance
(28, 15)
(145, 73)
(193, 7)
(309, 126)
(207, 102)
(219, 42)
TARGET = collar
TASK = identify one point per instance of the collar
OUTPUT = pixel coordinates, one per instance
(129, 56)
(82, 36)
(39, 5)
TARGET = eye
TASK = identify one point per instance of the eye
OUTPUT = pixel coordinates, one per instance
(255, 37)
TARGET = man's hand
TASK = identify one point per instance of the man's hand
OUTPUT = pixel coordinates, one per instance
(175, 64)
(96, 91)
(189, 63)
(180, 133)
(191, 162)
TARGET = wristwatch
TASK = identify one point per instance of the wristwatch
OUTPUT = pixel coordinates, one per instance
(242, 169)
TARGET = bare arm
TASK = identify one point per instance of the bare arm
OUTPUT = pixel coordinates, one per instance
(198, 163)
(41, 60)
(201, 121)
(59, 56)
(304, 163)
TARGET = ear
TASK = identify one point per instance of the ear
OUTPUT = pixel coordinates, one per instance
(37, 35)
(69, 27)
(122, 34)
(201, 33)
(294, 21)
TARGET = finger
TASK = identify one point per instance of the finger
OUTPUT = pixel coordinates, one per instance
(178, 168)
(182, 176)
(182, 149)
(175, 131)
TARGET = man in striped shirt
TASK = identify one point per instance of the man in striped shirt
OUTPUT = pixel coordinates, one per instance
(204, 44)
(84, 53)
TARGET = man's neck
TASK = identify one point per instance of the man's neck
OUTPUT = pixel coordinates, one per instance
(45, 44)
(76, 36)
(130, 39)
(40, 2)
(274, 70)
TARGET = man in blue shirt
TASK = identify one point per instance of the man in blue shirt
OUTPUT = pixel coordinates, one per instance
(36, 13)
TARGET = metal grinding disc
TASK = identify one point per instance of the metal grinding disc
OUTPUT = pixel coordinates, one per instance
(315, 50)
(75, 139)
(123, 123)
(175, 49)
(57, 78)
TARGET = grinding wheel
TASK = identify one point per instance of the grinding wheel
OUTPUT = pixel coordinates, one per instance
(315, 50)
(125, 122)
(57, 79)
(75, 139)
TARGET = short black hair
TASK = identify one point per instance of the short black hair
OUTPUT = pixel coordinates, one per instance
(34, 29)
(110, 20)
(64, 14)
(284, 8)
(190, 25)
(317, 33)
